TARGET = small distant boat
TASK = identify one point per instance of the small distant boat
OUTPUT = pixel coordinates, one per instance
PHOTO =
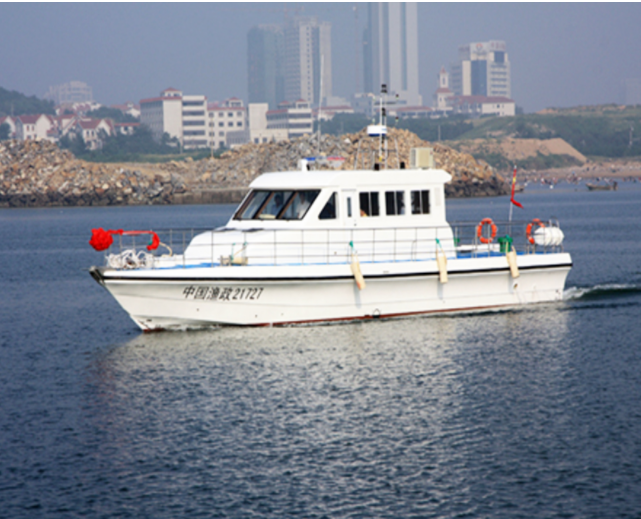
(603, 187)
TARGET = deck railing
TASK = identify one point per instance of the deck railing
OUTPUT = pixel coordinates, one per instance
(323, 246)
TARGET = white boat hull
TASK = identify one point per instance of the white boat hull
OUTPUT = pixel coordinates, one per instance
(180, 298)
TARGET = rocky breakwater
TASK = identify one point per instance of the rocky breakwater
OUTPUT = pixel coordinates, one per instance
(40, 174)
(236, 168)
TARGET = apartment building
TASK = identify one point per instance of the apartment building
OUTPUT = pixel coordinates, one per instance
(227, 123)
(294, 117)
(483, 69)
(163, 114)
(194, 122)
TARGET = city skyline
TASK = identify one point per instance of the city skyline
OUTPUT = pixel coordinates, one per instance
(560, 54)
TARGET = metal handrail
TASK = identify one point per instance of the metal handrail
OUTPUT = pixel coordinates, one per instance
(331, 245)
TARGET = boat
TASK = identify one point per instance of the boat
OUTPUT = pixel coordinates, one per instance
(321, 246)
(613, 186)
(312, 246)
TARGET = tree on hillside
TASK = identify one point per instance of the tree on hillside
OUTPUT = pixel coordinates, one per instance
(74, 143)
(4, 131)
(15, 103)
(433, 130)
(343, 123)
(104, 112)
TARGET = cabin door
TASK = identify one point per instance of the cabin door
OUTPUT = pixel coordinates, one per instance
(350, 207)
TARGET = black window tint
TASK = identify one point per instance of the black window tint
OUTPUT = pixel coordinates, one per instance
(420, 202)
(329, 211)
(369, 203)
(389, 203)
(394, 203)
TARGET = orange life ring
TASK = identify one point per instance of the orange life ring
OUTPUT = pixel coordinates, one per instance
(479, 230)
(528, 229)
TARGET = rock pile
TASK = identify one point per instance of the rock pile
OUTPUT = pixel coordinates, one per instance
(40, 174)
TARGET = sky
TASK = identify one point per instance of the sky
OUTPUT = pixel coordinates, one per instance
(561, 54)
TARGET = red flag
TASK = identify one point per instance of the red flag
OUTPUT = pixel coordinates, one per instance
(513, 186)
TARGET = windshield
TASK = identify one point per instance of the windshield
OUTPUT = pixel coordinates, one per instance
(280, 205)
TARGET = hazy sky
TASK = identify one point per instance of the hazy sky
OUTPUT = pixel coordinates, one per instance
(562, 54)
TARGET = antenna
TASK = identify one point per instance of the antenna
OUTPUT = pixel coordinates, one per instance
(380, 130)
(320, 104)
(383, 121)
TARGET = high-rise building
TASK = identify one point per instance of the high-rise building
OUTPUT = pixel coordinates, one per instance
(483, 69)
(307, 60)
(265, 50)
(390, 50)
(72, 92)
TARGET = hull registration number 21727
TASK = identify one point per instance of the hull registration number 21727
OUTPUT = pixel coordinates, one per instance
(215, 293)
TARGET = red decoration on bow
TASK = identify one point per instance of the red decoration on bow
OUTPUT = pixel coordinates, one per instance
(102, 240)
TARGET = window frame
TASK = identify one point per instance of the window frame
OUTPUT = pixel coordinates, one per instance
(423, 201)
(373, 203)
(395, 199)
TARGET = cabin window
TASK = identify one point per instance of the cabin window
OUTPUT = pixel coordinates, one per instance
(369, 203)
(394, 202)
(254, 202)
(329, 211)
(298, 205)
(281, 205)
(421, 202)
(276, 202)
(349, 207)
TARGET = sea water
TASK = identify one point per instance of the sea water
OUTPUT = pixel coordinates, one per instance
(534, 412)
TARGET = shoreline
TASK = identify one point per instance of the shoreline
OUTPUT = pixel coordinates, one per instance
(618, 169)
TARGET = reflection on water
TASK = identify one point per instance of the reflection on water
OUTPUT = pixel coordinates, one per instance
(287, 415)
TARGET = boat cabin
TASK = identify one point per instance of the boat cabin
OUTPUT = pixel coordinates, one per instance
(339, 199)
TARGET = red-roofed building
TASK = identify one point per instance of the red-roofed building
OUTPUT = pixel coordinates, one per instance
(192, 120)
(129, 108)
(93, 130)
(34, 127)
(163, 114)
(65, 124)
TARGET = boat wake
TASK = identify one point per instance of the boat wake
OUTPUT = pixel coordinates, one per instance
(600, 291)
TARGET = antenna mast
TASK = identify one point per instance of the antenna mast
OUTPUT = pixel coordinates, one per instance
(320, 103)
(382, 122)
